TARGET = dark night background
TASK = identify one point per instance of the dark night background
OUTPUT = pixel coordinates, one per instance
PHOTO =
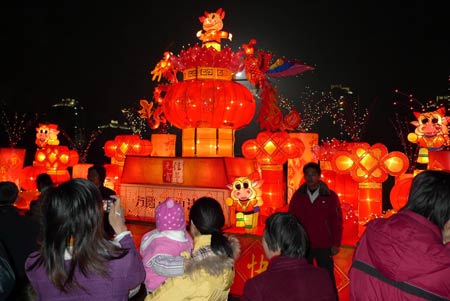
(101, 52)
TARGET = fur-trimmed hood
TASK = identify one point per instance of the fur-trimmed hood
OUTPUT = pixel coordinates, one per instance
(323, 189)
(214, 264)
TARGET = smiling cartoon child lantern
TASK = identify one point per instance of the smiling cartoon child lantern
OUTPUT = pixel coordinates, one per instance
(246, 200)
(212, 25)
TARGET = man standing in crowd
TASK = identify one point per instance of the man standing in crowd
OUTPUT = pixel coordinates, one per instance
(318, 209)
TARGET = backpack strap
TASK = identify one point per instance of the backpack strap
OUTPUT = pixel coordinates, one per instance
(406, 287)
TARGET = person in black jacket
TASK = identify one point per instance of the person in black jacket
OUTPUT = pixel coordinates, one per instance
(97, 175)
(7, 277)
(19, 235)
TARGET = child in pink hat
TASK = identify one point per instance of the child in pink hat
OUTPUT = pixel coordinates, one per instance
(161, 248)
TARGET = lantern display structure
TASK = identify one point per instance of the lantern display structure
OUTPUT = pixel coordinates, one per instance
(272, 150)
(124, 145)
(369, 166)
(208, 105)
(53, 157)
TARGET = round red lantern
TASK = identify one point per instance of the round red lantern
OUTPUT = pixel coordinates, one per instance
(209, 103)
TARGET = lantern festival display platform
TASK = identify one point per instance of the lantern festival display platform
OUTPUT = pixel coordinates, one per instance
(148, 181)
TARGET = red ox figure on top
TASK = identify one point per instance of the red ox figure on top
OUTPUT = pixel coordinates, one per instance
(212, 25)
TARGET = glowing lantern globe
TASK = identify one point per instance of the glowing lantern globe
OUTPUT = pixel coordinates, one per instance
(208, 100)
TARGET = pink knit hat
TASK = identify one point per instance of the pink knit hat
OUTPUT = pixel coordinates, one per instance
(170, 216)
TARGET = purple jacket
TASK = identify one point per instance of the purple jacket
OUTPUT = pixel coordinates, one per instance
(290, 279)
(405, 247)
(322, 219)
(126, 273)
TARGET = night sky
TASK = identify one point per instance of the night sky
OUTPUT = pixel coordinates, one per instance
(101, 52)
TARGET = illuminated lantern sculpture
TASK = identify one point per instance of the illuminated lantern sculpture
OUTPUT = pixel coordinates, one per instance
(272, 150)
(245, 199)
(369, 166)
(208, 105)
(47, 134)
(56, 159)
(431, 133)
(124, 145)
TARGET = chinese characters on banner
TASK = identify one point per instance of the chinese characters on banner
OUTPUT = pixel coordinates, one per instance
(173, 171)
(140, 200)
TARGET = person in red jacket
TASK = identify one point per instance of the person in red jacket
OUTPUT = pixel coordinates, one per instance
(319, 211)
(407, 256)
(288, 277)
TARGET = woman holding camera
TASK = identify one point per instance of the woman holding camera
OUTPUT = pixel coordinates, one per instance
(76, 260)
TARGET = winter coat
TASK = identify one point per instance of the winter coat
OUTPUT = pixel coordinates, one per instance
(405, 247)
(290, 279)
(321, 219)
(207, 278)
(155, 243)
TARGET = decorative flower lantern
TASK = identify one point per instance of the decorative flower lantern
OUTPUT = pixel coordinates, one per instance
(369, 166)
(272, 150)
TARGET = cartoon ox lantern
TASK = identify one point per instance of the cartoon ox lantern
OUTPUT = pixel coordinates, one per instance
(431, 133)
(245, 199)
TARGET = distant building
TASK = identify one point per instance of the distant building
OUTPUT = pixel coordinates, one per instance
(69, 115)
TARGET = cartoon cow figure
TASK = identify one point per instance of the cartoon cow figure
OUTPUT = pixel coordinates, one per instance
(47, 134)
(212, 25)
(246, 200)
(431, 132)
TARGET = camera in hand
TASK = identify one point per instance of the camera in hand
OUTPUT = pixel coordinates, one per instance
(107, 204)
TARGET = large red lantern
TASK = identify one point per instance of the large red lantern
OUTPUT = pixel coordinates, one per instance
(209, 107)
(209, 103)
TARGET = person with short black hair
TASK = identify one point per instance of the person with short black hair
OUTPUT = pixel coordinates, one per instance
(43, 183)
(407, 256)
(318, 209)
(288, 276)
